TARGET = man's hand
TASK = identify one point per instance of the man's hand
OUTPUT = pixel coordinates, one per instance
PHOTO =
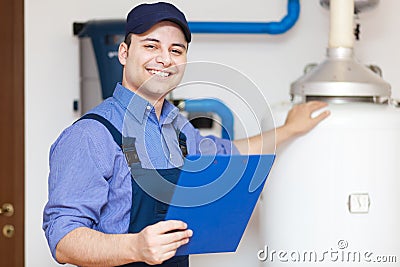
(159, 242)
(299, 119)
(153, 245)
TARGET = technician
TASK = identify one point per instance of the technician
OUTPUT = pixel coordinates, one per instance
(96, 214)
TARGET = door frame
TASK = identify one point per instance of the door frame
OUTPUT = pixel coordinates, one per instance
(12, 146)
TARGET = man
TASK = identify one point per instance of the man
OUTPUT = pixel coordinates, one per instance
(96, 214)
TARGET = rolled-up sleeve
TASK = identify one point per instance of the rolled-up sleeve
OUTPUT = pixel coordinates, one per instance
(211, 144)
(78, 186)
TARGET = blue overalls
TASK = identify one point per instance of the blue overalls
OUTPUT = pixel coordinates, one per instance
(145, 209)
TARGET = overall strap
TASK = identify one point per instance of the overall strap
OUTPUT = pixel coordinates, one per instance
(182, 143)
(182, 140)
(117, 136)
(127, 144)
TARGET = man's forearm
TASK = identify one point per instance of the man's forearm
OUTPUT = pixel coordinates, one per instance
(264, 143)
(87, 247)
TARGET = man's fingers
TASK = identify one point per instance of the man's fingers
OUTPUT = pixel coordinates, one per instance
(175, 245)
(322, 116)
(176, 236)
(169, 250)
(315, 105)
(167, 243)
(168, 226)
(161, 240)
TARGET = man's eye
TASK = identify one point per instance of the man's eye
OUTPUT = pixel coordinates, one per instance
(176, 52)
(149, 46)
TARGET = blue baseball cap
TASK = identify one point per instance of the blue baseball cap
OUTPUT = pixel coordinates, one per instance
(142, 17)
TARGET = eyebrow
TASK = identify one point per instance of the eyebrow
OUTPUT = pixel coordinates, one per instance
(158, 41)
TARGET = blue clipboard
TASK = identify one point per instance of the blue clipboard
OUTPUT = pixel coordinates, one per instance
(215, 196)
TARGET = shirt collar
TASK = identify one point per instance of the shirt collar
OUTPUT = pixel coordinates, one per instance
(140, 108)
(168, 112)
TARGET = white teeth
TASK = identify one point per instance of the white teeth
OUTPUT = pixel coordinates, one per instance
(159, 73)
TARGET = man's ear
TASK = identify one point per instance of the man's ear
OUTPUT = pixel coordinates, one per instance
(123, 53)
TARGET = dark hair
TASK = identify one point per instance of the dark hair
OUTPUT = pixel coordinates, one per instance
(128, 39)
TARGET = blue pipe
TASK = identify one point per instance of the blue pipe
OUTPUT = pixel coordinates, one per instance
(251, 27)
(217, 107)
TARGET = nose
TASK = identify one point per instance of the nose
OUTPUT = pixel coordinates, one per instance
(164, 58)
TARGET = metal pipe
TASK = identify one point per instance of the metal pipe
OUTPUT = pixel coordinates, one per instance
(217, 107)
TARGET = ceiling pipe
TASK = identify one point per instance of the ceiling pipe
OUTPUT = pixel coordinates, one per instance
(293, 12)
(341, 24)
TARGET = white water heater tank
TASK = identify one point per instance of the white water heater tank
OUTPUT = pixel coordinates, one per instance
(333, 195)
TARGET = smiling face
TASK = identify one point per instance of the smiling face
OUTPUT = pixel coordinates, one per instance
(154, 63)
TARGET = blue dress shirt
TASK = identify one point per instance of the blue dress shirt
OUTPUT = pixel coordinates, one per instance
(90, 181)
